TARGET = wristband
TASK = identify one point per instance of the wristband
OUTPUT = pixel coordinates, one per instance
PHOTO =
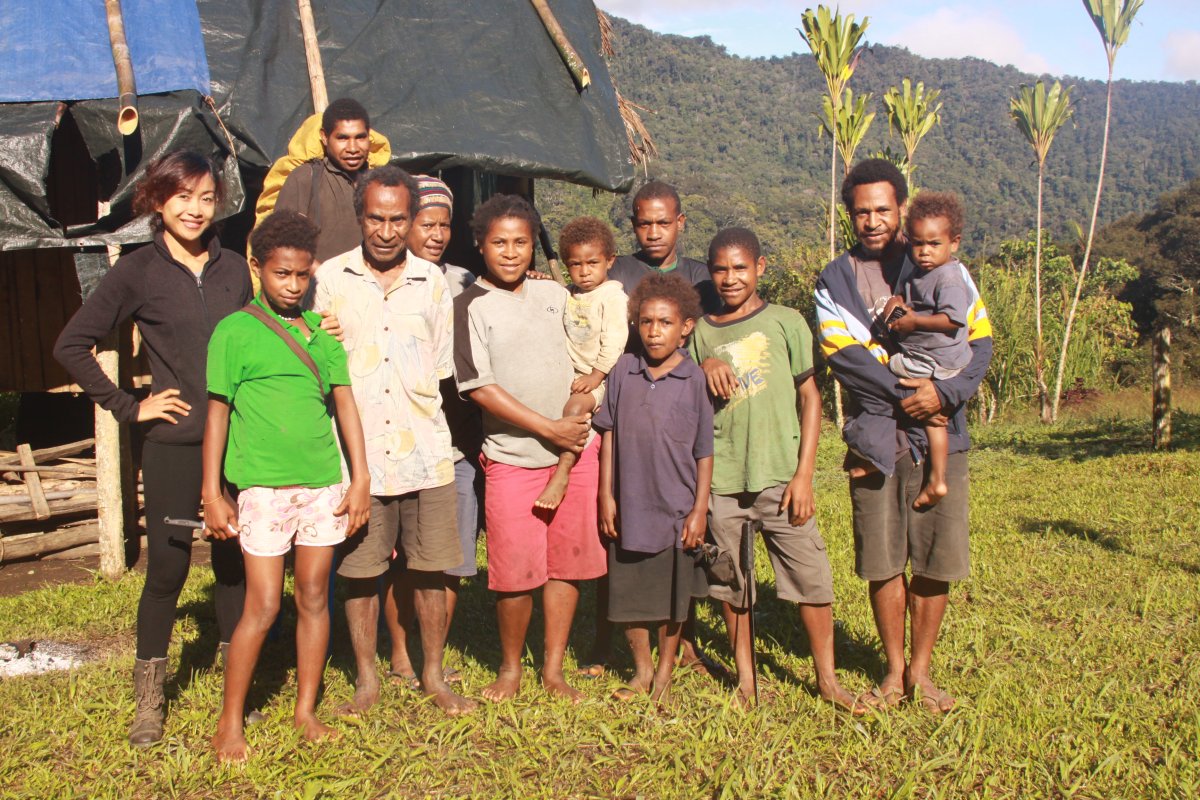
(204, 502)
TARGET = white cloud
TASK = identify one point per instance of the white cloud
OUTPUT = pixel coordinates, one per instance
(1183, 55)
(958, 31)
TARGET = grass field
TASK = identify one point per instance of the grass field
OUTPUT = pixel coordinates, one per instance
(1074, 650)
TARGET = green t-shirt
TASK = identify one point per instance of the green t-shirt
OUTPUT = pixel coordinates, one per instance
(280, 431)
(757, 431)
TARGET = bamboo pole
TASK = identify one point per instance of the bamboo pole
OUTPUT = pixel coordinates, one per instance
(570, 56)
(312, 54)
(127, 112)
(1162, 389)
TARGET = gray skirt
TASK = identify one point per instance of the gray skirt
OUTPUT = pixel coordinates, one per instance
(652, 587)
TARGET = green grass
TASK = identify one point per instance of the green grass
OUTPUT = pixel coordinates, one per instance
(1074, 650)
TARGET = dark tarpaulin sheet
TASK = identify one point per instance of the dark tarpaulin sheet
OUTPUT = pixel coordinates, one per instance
(477, 84)
(60, 50)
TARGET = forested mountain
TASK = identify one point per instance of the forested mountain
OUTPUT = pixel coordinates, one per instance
(739, 137)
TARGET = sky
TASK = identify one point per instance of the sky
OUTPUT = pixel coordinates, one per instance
(1038, 36)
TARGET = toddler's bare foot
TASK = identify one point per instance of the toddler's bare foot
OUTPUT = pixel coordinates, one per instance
(506, 686)
(931, 494)
(312, 729)
(553, 494)
(230, 745)
(861, 470)
(557, 685)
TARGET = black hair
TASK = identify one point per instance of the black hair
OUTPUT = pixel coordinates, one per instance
(929, 204)
(735, 237)
(665, 286)
(586, 230)
(284, 229)
(874, 170)
(387, 175)
(657, 190)
(500, 206)
(344, 108)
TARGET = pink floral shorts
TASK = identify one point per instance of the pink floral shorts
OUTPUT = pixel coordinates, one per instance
(272, 520)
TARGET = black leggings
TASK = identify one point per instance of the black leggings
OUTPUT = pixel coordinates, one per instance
(171, 475)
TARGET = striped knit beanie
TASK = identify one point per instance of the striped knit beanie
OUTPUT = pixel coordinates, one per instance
(434, 192)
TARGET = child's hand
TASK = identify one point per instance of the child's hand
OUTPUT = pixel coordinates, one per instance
(220, 520)
(905, 324)
(694, 526)
(893, 302)
(798, 501)
(722, 382)
(570, 433)
(356, 505)
(332, 325)
(535, 275)
(586, 384)
(607, 513)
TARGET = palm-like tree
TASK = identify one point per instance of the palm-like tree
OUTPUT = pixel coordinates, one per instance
(912, 112)
(1039, 114)
(833, 40)
(1113, 19)
(847, 122)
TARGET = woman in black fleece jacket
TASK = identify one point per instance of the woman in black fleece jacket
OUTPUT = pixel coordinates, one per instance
(176, 289)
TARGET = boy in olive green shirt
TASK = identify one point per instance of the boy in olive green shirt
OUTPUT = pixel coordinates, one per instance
(269, 426)
(758, 361)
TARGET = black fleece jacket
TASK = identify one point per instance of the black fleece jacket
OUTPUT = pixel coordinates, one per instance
(175, 312)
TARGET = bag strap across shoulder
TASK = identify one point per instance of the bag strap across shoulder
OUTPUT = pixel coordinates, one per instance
(269, 320)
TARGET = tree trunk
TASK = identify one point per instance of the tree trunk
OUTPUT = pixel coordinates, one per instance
(1161, 354)
(839, 415)
(1039, 354)
(1087, 252)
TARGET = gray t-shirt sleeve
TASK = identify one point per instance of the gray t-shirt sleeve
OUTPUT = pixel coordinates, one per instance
(950, 295)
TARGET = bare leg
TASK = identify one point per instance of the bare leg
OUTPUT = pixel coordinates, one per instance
(556, 489)
(398, 611)
(927, 605)
(264, 585)
(818, 622)
(668, 644)
(737, 623)
(889, 603)
(935, 487)
(429, 594)
(362, 617)
(312, 636)
(638, 636)
(513, 610)
(559, 599)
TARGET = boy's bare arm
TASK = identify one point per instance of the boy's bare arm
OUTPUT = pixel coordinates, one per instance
(798, 496)
(357, 502)
(606, 503)
(568, 433)
(696, 522)
(220, 517)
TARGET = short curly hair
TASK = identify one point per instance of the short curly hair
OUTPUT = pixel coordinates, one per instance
(344, 109)
(742, 238)
(170, 175)
(283, 229)
(500, 206)
(586, 230)
(874, 170)
(656, 190)
(388, 175)
(937, 204)
(665, 286)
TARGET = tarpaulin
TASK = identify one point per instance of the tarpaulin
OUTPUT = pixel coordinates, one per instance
(60, 50)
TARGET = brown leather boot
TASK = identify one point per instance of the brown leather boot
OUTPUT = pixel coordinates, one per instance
(148, 679)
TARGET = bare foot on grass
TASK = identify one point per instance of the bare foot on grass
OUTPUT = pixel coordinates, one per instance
(557, 686)
(313, 730)
(453, 704)
(743, 698)
(230, 746)
(506, 686)
(366, 694)
(842, 700)
(931, 698)
(661, 693)
(930, 495)
(554, 492)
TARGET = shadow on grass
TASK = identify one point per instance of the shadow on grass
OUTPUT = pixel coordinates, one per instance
(1102, 539)
(1079, 441)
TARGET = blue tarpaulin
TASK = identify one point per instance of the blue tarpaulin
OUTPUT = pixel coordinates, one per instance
(59, 49)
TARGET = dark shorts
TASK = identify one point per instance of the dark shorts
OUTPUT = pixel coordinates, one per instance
(889, 535)
(425, 523)
(652, 587)
(797, 554)
(468, 483)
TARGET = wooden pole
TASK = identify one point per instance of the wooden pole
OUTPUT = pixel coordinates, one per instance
(110, 502)
(1161, 354)
(127, 113)
(570, 56)
(312, 53)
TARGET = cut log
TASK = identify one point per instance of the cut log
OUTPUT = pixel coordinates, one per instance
(49, 453)
(10, 513)
(29, 545)
(33, 483)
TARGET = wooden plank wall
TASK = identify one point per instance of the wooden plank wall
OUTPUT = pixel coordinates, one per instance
(38, 294)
